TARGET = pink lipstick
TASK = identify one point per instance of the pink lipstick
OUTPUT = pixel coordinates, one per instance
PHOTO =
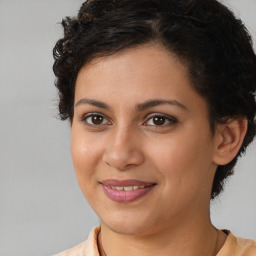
(126, 190)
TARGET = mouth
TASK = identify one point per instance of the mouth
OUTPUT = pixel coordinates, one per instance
(128, 188)
(124, 191)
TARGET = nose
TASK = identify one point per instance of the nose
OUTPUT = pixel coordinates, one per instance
(123, 150)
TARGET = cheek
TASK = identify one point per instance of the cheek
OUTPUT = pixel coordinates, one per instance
(183, 161)
(86, 154)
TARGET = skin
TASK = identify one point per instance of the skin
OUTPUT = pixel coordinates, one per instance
(180, 156)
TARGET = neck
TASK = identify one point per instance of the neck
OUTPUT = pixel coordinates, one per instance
(197, 239)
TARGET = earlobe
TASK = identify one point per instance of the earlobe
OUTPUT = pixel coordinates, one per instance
(229, 138)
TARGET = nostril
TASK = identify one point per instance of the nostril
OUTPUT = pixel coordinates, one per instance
(122, 157)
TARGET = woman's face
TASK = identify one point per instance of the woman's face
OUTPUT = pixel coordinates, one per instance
(142, 146)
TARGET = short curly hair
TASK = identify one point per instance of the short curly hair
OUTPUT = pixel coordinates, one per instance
(209, 40)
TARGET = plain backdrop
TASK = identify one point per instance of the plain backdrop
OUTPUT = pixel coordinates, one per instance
(42, 210)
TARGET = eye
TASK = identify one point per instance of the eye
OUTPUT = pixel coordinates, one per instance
(160, 120)
(95, 119)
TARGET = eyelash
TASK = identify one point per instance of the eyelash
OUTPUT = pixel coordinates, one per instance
(171, 120)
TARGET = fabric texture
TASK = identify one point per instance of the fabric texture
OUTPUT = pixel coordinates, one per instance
(234, 246)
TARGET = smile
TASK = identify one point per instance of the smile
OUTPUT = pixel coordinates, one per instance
(127, 190)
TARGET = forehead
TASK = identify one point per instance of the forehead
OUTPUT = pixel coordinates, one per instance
(149, 62)
(136, 75)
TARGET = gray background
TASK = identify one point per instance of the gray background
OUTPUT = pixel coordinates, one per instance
(42, 210)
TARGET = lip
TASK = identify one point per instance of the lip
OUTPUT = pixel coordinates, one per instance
(123, 196)
(125, 183)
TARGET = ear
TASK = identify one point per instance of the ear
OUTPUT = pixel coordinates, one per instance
(228, 140)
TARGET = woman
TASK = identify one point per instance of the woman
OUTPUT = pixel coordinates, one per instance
(160, 97)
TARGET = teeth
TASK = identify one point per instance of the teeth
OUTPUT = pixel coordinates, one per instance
(129, 188)
(118, 188)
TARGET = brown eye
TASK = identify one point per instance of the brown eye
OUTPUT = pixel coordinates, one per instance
(95, 119)
(160, 120)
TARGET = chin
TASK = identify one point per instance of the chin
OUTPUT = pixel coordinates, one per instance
(130, 229)
(129, 224)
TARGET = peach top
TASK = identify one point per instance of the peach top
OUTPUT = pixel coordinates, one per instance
(234, 246)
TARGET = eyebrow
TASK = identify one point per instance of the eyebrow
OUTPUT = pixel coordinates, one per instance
(156, 102)
(140, 107)
(95, 103)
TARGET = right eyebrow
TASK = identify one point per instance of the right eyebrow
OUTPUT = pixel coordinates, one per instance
(95, 103)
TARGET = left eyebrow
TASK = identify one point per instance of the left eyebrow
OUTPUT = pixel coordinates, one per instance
(156, 102)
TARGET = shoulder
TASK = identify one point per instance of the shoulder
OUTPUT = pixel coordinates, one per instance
(75, 251)
(237, 246)
(246, 247)
(87, 248)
